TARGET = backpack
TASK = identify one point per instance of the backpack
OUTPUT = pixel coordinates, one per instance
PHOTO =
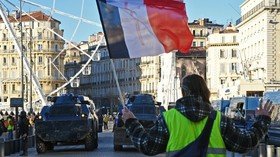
(198, 148)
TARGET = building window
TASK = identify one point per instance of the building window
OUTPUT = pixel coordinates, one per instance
(87, 70)
(4, 61)
(55, 48)
(201, 44)
(233, 53)
(222, 53)
(49, 66)
(223, 39)
(222, 68)
(13, 87)
(223, 81)
(201, 33)
(193, 32)
(13, 61)
(40, 60)
(40, 47)
(233, 67)
(4, 36)
(5, 47)
(234, 39)
(75, 82)
(194, 44)
(40, 35)
(5, 88)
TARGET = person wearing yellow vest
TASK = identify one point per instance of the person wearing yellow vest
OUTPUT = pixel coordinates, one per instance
(178, 127)
(10, 128)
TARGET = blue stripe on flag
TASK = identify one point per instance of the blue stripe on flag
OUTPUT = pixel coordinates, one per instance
(113, 31)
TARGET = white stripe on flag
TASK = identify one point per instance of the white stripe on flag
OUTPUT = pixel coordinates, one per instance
(138, 33)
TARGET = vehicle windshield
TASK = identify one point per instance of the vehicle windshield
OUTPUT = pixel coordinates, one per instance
(64, 110)
(66, 100)
(143, 109)
(144, 99)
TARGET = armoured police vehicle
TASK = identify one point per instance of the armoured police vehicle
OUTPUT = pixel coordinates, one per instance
(69, 119)
(145, 108)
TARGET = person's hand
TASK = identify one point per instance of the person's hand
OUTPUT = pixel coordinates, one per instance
(265, 109)
(24, 135)
(127, 114)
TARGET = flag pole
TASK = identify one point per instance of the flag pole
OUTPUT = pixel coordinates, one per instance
(112, 63)
(117, 82)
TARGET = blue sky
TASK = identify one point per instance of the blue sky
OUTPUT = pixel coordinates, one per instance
(218, 11)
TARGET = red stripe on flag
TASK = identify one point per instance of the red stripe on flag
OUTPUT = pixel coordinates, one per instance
(170, 24)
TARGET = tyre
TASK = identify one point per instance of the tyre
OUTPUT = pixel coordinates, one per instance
(89, 142)
(96, 140)
(40, 146)
(118, 147)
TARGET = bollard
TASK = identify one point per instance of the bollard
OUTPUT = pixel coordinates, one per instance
(270, 150)
(17, 145)
(7, 148)
(2, 147)
(262, 150)
(277, 151)
(12, 146)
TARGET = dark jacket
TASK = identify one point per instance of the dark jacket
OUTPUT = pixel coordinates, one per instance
(154, 140)
(23, 126)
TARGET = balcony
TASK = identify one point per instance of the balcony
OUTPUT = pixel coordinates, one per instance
(258, 7)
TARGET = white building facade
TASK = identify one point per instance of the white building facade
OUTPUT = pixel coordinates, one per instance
(259, 46)
(223, 63)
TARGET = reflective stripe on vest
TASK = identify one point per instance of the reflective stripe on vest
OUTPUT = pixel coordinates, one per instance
(183, 131)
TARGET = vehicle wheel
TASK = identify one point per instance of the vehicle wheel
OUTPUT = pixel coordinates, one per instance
(40, 146)
(118, 147)
(89, 142)
(96, 140)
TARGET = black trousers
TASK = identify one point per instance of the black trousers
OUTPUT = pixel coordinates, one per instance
(24, 144)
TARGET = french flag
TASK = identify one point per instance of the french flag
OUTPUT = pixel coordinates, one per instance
(136, 28)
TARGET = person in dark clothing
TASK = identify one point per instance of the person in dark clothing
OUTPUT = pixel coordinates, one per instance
(175, 128)
(23, 132)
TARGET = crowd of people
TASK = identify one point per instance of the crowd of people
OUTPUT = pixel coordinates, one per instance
(8, 124)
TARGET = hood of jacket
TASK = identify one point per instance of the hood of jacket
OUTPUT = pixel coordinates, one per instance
(193, 107)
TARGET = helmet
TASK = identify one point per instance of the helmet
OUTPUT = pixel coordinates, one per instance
(22, 114)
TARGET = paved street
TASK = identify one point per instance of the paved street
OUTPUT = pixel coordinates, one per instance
(105, 149)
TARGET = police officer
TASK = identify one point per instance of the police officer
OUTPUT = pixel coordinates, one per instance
(23, 125)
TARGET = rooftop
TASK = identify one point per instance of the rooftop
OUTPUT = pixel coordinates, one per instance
(193, 52)
(38, 15)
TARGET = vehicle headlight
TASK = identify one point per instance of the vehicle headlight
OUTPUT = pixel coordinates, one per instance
(40, 117)
(83, 115)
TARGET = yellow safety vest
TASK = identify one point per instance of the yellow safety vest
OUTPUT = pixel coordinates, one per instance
(183, 131)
